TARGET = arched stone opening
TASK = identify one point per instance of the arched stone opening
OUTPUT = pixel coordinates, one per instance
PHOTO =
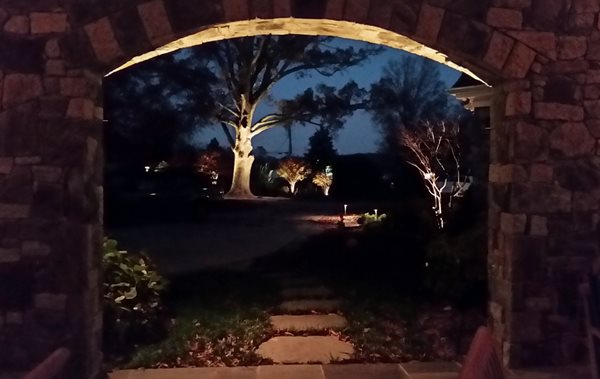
(541, 56)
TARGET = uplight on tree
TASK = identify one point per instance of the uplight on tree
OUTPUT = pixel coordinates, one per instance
(293, 171)
(433, 149)
(323, 180)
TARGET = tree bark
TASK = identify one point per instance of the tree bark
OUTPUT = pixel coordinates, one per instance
(292, 188)
(242, 164)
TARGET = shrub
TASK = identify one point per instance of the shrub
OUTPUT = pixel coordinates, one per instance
(456, 266)
(133, 290)
(367, 218)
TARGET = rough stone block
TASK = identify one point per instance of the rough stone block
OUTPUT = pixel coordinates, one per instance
(538, 226)
(48, 174)
(542, 42)
(429, 23)
(556, 111)
(592, 109)
(20, 88)
(335, 10)
(14, 318)
(102, 38)
(55, 67)
(499, 50)
(571, 140)
(9, 255)
(26, 161)
(42, 23)
(156, 22)
(283, 9)
(591, 92)
(540, 198)
(356, 10)
(541, 173)
(52, 49)
(50, 301)
(505, 18)
(571, 47)
(531, 142)
(6, 165)
(513, 223)
(17, 25)
(81, 108)
(594, 127)
(14, 211)
(34, 249)
(586, 6)
(518, 103)
(74, 87)
(519, 61)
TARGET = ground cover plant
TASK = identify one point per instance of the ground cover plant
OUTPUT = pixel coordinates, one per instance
(217, 320)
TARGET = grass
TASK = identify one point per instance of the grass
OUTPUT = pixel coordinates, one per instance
(221, 317)
(219, 320)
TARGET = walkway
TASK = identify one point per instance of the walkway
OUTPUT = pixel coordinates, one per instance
(304, 322)
(351, 371)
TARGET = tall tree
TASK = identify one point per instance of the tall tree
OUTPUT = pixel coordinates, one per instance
(246, 70)
(321, 152)
(410, 91)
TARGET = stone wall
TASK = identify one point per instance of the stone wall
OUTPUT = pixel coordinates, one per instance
(543, 56)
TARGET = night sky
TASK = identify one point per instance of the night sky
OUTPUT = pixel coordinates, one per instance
(359, 135)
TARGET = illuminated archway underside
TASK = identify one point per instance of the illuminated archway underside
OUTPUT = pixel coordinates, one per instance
(283, 26)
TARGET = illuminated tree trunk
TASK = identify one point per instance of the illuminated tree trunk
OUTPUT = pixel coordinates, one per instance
(292, 188)
(242, 164)
(326, 191)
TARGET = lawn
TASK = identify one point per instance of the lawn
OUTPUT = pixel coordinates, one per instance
(384, 274)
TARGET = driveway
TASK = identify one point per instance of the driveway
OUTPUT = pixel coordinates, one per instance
(231, 233)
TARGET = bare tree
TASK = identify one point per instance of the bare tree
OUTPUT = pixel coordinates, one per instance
(324, 181)
(433, 149)
(293, 170)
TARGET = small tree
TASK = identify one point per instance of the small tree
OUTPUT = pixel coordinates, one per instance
(323, 180)
(433, 149)
(208, 163)
(293, 170)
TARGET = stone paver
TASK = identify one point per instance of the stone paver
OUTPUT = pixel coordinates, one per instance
(429, 367)
(304, 323)
(287, 281)
(291, 372)
(357, 371)
(311, 349)
(307, 306)
(318, 292)
(430, 370)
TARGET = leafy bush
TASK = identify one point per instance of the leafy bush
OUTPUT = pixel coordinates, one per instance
(367, 218)
(456, 266)
(133, 290)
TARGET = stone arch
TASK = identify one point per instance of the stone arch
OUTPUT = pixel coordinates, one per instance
(543, 58)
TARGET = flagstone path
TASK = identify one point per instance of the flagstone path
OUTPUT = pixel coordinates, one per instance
(306, 317)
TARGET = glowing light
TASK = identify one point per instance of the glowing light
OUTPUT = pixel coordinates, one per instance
(147, 168)
(375, 212)
(345, 209)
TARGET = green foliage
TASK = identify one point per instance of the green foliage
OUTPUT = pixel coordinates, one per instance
(456, 266)
(369, 219)
(133, 290)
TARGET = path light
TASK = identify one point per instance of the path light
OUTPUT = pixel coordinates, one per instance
(147, 168)
(345, 209)
(375, 213)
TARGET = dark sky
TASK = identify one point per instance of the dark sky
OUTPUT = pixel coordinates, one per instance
(359, 134)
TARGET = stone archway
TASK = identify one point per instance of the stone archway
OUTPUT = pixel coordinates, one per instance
(543, 57)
